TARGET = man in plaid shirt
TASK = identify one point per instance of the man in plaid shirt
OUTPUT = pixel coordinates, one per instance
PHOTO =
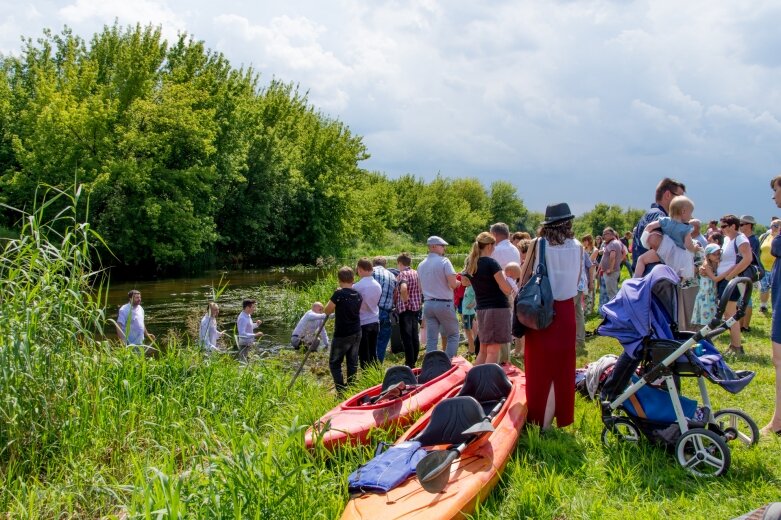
(388, 283)
(409, 300)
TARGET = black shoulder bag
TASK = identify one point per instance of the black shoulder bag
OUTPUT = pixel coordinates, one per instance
(534, 302)
(755, 270)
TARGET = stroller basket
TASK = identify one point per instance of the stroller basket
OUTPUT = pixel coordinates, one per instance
(654, 404)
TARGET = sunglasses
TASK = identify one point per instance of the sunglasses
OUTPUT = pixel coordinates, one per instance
(724, 225)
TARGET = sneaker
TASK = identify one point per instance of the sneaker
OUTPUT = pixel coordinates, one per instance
(606, 410)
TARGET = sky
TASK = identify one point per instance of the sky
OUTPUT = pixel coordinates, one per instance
(574, 101)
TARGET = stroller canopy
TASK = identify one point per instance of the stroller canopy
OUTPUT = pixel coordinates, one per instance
(644, 307)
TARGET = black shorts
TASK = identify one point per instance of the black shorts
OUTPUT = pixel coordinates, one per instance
(720, 291)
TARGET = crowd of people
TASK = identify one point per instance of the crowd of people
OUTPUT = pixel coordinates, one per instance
(581, 273)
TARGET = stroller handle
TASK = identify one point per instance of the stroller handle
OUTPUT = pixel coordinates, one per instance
(725, 297)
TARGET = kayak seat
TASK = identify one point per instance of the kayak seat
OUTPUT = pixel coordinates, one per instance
(396, 375)
(449, 419)
(488, 384)
(435, 363)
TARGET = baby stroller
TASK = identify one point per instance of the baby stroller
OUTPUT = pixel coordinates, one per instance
(641, 317)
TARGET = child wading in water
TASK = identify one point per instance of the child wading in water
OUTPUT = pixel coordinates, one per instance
(705, 305)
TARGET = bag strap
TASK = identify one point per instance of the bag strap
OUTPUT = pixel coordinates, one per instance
(542, 267)
(531, 257)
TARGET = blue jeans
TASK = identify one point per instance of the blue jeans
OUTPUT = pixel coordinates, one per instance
(766, 282)
(383, 337)
(602, 294)
(441, 317)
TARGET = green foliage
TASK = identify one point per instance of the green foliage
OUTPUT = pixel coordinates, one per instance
(186, 158)
(505, 206)
(604, 215)
(50, 308)
(90, 431)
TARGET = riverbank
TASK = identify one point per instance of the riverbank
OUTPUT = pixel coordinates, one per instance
(89, 429)
(174, 306)
(186, 436)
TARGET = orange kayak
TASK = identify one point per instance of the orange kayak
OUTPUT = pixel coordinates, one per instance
(472, 476)
(351, 421)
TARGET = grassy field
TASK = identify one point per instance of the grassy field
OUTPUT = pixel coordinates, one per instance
(90, 430)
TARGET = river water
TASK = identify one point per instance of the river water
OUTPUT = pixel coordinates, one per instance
(174, 305)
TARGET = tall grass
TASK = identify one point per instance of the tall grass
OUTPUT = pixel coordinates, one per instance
(89, 429)
(49, 310)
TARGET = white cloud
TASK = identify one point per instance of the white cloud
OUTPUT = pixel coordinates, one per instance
(126, 12)
(599, 97)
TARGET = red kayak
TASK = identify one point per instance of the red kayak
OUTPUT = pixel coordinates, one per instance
(490, 395)
(403, 392)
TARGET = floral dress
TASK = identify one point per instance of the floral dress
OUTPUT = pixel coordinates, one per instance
(705, 304)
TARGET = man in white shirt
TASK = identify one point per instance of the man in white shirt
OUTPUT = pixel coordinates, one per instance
(130, 321)
(370, 291)
(246, 328)
(306, 331)
(505, 253)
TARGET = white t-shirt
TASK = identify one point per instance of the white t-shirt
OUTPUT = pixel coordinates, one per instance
(371, 291)
(728, 259)
(208, 333)
(505, 252)
(565, 263)
(134, 332)
(677, 258)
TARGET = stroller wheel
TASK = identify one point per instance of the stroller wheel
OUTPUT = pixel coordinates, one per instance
(703, 453)
(736, 424)
(621, 430)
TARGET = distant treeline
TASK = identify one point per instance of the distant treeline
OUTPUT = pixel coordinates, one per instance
(187, 160)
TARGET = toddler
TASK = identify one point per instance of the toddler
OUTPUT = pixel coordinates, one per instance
(669, 241)
(512, 272)
(705, 305)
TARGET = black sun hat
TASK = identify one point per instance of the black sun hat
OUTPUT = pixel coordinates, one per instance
(557, 213)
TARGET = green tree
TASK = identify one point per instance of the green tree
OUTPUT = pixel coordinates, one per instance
(506, 206)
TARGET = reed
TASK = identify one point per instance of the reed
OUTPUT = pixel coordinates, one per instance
(89, 429)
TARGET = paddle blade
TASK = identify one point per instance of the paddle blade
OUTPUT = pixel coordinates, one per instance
(479, 428)
(433, 470)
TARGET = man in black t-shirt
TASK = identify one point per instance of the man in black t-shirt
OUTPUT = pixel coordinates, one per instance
(346, 302)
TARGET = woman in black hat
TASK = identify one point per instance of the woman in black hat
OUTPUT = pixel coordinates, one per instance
(550, 353)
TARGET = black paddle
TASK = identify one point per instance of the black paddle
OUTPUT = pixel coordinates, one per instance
(393, 392)
(313, 346)
(433, 470)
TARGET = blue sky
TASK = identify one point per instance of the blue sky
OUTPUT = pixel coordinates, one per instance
(580, 101)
